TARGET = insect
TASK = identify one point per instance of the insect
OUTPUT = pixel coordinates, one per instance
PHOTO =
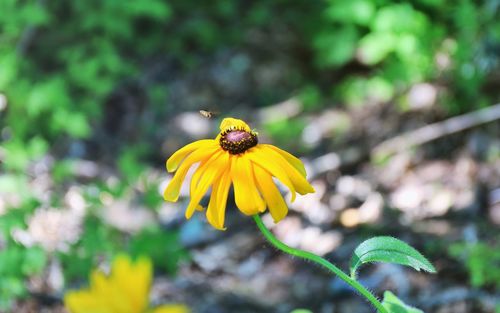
(208, 114)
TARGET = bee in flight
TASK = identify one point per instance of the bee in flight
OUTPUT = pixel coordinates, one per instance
(208, 114)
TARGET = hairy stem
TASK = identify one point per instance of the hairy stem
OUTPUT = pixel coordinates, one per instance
(318, 260)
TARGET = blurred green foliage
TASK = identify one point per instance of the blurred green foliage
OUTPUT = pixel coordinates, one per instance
(481, 260)
(401, 42)
(17, 262)
(60, 61)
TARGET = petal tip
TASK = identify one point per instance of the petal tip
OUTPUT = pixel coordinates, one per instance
(170, 167)
(170, 197)
(189, 214)
(278, 219)
(216, 225)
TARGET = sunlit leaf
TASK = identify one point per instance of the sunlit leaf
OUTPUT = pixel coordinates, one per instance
(8, 68)
(398, 18)
(336, 47)
(357, 11)
(375, 47)
(389, 250)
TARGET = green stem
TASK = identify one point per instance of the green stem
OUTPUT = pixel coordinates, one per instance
(319, 260)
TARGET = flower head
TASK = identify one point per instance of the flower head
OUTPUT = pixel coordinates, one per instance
(125, 290)
(235, 157)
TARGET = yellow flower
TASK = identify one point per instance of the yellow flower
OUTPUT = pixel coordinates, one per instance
(236, 157)
(125, 290)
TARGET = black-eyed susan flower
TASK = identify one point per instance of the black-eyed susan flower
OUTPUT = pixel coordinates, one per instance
(235, 157)
(125, 290)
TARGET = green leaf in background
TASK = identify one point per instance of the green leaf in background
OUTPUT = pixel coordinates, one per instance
(47, 97)
(63, 170)
(310, 96)
(301, 311)
(154, 9)
(358, 11)
(335, 47)
(359, 91)
(16, 264)
(8, 68)
(97, 241)
(285, 131)
(398, 18)
(129, 163)
(11, 287)
(481, 260)
(34, 261)
(73, 123)
(163, 247)
(394, 305)
(376, 46)
(390, 250)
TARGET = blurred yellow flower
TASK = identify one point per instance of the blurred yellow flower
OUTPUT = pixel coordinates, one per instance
(125, 290)
(235, 156)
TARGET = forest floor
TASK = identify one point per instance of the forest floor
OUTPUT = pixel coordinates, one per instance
(442, 192)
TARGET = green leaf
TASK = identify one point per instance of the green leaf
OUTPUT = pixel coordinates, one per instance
(153, 9)
(8, 67)
(399, 18)
(34, 261)
(162, 247)
(11, 287)
(394, 305)
(335, 47)
(376, 46)
(390, 250)
(358, 11)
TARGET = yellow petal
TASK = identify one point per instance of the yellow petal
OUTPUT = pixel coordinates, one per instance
(99, 283)
(197, 175)
(195, 179)
(230, 122)
(106, 294)
(217, 207)
(133, 280)
(215, 166)
(295, 162)
(299, 182)
(275, 203)
(78, 301)
(212, 213)
(84, 302)
(246, 194)
(171, 308)
(176, 158)
(259, 157)
(126, 290)
(172, 191)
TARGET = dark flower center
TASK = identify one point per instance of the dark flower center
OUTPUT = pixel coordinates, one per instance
(237, 141)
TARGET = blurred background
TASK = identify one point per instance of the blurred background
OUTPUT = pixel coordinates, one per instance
(390, 104)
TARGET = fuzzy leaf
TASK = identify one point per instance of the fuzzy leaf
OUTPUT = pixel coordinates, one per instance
(389, 250)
